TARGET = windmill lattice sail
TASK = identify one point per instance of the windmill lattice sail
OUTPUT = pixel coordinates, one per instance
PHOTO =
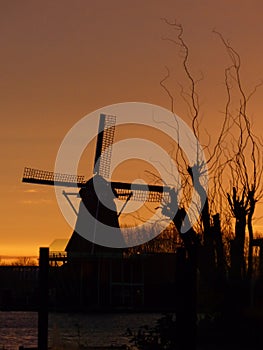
(140, 192)
(44, 177)
(104, 145)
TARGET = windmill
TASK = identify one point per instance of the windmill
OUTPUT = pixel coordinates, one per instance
(96, 187)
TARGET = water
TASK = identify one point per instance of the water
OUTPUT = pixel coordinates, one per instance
(20, 328)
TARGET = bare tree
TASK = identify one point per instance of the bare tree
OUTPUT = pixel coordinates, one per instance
(236, 162)
(243, 165)
(24, 261)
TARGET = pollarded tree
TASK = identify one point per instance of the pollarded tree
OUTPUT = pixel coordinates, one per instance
(208, 228)
(243, 164)
(238, 162)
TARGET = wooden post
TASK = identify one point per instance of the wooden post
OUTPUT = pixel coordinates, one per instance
(186, 300)
(43, 299)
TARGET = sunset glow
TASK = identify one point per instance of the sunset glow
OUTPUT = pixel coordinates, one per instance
(63, 60)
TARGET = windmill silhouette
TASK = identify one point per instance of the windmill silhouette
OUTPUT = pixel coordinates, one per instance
(98, 193)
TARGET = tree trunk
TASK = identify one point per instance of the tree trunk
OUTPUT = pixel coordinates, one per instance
(219, 247)
(251, 237)
(238, 266)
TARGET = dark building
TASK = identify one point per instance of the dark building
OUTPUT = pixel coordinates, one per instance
(114, 282)
(18, 287)
(91, 277)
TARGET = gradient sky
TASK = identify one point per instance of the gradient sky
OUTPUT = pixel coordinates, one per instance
(61, 60)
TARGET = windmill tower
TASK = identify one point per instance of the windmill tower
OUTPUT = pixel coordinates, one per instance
(97, 191)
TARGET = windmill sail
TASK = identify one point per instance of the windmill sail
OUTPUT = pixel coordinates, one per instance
(104, 145)
(43, 177)
(124, 191)
(140, 192)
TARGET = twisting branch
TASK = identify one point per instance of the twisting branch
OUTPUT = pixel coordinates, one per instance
(185, 54)
(166, 89)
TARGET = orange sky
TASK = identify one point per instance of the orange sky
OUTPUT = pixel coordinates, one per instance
(61, 60)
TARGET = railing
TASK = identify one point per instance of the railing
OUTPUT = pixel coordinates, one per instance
(57, 255)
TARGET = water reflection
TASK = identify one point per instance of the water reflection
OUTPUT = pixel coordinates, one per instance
(20, 328)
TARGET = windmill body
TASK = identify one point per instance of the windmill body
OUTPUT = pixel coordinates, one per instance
(98, 198)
